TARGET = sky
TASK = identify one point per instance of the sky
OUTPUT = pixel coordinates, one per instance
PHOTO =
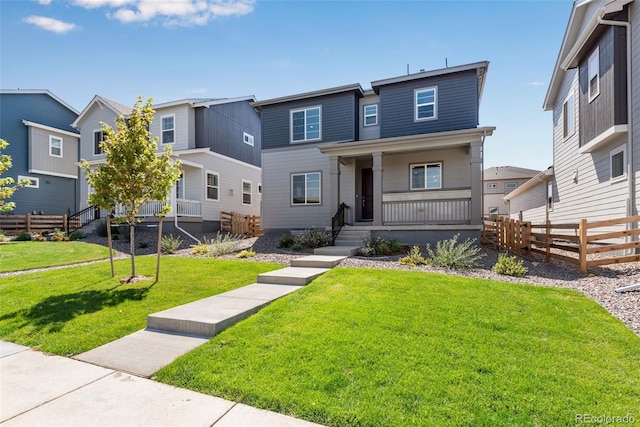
(169, 50)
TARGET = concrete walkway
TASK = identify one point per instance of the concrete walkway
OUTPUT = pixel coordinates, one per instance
(108, 385)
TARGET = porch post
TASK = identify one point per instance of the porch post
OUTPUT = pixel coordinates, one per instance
(335, 183)
(476, 182)
(377, 188)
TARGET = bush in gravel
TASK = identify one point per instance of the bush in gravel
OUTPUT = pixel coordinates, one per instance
(223, 244)
(3, 238)
(455, 256)
(378, 246)
(59, 236)
(414, 258)
(312, 239)
(23, 237)
(170, 244)
(101, 229)
(510, 266)
(200, 249)
(286, 241)
(77, 235)
(247, 253)
(39, 238)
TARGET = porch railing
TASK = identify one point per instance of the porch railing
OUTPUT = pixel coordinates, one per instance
(337, 222)
(448, 211)
(189, 207)
(192, 208)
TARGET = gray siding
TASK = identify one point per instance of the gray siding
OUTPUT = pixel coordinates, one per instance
(42, 161)
(221, 127)
(90, 123)
(339, 120)
(492, 197)
(457, 105)
(532, 205)
(634, 15)
(368, 132)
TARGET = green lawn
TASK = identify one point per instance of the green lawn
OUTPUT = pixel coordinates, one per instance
(389, 348)
(26, 255)
(72, 310)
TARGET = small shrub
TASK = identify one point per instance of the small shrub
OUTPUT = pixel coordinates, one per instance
(296, 247)
(223, 244)
(377, 246)
(114, 237)
(453, 255)
(101, 229)
(394, 245)
(170, 244)
(77, 235)
(39, 238)
(247, 253)
(23, 237)
(510, 266)
(3, 238)
(286, 241)
(143, 245)
(58, 236)
(414, 258)
(312, 239)
(200, 249)
(125, 231)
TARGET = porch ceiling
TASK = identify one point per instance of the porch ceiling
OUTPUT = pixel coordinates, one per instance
(408, 143)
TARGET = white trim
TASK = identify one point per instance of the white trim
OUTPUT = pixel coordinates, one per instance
(426, 187)
(191, 164)
(61, 175)
(250, 193)
(305, 109)
(50, 129)
(571, 98)
(101, 153)
(306, 195)
(208, 104)
(434, 103)
(32, 179)
(51, 138)
(603, 139)
(173, 129)
(217, 155)
(365, 115)
(595, 54)
(247, 138)
(206, 185)
(621, 149)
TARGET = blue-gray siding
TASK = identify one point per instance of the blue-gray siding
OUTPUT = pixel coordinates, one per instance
(339, 119)
(221, 127)
(457, 105)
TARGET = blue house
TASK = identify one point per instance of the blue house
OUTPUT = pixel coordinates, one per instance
(405, 156)
(43, 149)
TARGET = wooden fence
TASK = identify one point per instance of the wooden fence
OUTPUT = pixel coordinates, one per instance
(584, 239)
(240, 224)
(16, 224)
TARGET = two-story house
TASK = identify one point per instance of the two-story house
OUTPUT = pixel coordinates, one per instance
(43, 148)
(218, 143)
(500, 181)
(404, 156)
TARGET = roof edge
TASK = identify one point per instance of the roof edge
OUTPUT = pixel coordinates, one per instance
(330, 91)
(39, 92)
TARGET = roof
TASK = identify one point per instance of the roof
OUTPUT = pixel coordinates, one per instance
(354, 87)
(37, 92)
(541, 177)
(508, 172)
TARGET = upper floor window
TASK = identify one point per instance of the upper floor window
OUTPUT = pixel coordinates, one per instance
(492, 185)
(246, 192)
(168, 129)
(306, 188)
(426, 176)
(426, 103)
(305, 124)
(510, 185)
(98, 137)
(247, 138)
(618, 163)
(55, 146)
(213, 186)
(371, 115)
(568, 117)
(593, 71)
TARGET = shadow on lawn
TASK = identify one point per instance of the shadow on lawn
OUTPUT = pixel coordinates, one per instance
(52, 313)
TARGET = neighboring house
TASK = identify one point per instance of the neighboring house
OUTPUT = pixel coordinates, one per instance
(532, 201)
(596, 144)
(404, 156)
(43, 148)
(500, 181)
(218, 143)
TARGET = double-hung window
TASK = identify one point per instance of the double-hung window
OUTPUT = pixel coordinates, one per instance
(371, 115)
(306, 124)
(55, 146)
(168, 129)
(426, 176)
(98, 137)
(426, 104)
(568, 117)
(306, 188)
(246, 192)
(593, 71)
(213, 186)
(617, 160)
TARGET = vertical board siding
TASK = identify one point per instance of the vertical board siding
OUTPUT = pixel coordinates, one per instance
(457, 105)
(338, 120)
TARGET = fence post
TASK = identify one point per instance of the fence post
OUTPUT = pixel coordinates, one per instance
(582, 254)
(65, 223)
(27, 223)
(526, 238)
(548, 242)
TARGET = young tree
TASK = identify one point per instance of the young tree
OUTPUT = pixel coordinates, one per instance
(134, 173)
(6, 187)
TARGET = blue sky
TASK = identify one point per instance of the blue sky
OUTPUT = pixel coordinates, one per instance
(177, 49)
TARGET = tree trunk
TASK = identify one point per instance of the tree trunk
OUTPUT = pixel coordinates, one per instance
(132, 248)
(108, 220)
(159, 247)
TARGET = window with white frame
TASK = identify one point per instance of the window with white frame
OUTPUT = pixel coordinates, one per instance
(492, 185)
(568, 117)
(213, 186)
(593, 72)
(493, 211)
(510, 185)
(168, 129)
(247, 138)
(426, 176)
(33, 182)
(306, 188)
(426, 104)
(55, 146)
(617, 161)
(306, 124)
(371, 115)
(98, 137)
(246, 192)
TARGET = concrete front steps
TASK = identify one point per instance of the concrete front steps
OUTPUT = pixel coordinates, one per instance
(352, 236)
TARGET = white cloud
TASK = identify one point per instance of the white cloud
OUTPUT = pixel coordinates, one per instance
(535, 83)
(44, 1)
(92, 4)
(50, 24)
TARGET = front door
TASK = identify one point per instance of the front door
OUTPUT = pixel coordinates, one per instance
(367, 194)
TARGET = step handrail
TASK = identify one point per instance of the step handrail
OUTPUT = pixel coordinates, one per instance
(337, 222)
(82, 218)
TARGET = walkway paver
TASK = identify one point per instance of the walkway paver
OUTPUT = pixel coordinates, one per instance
(298, 276)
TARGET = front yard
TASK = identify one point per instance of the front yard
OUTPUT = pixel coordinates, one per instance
(27, 255)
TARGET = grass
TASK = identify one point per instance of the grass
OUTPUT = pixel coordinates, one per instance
(72, 310)
(16, 256)
(372, 348)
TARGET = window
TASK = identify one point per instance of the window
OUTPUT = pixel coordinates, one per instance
(98, 137)
(55, 146)
(371, 115)
(246, 192)
(426, 100)
(618, 163)
(180, 187)
(593, 71)
(305, 188)
(427, 176)
(305, 124)
(550, 195)
(33, 182)
(213, 186)
(247, 138)
(168, 129)
(493, 211)
(510, 185)
(568, 117)
(492, 185)
(259, 188)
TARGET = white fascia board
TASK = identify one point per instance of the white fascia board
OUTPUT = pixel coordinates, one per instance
(50, 129)
(101, 103)
(604, 138)
(208, 152)
(62, 175)
(523, 188)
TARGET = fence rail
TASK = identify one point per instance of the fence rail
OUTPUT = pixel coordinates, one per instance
(240, 224)
(583, 239)
(446, 211)
(16, 224)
